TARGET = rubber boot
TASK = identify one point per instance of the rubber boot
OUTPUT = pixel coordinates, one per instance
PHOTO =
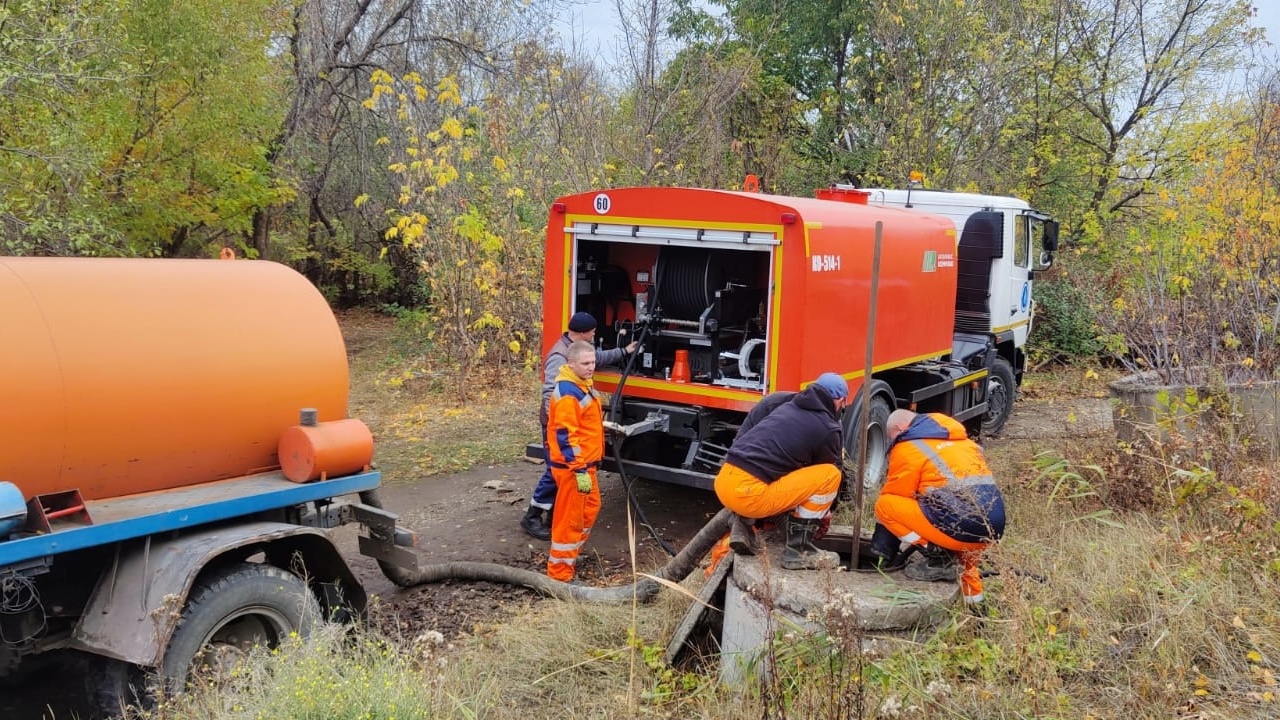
(801, 553)
(939, 564)
(884, 551)
(533, 526)
(742, 536)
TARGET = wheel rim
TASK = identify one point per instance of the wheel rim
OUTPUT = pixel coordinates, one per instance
(233, 638)
(875, 459)
(997, 400)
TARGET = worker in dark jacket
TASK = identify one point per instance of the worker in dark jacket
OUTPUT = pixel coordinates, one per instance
(789, 462)
(582, 328)
(940, 496)
(742, 531)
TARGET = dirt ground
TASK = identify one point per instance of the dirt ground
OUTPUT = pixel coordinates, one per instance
(474, 516)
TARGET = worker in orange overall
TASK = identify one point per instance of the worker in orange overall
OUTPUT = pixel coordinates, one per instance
(939, 496)
(789, 462)
(575, 441)
(582, 326)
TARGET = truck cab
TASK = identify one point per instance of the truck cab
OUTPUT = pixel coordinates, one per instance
(1002, 242)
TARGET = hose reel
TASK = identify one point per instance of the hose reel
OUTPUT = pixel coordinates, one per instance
(689, 279)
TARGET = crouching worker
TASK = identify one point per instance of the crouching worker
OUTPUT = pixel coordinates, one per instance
(789, 462)
(939, 496)
(575, 441)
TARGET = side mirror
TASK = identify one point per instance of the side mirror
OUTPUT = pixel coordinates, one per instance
(1050, 241)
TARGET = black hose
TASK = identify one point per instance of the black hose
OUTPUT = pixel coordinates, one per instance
(676, 569)
(641, 518)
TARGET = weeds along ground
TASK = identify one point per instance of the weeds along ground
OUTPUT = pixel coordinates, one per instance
(1134, 582)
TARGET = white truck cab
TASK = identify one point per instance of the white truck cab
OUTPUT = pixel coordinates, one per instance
(1002, 242)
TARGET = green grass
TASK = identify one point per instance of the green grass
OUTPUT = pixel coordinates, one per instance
(1165, 611)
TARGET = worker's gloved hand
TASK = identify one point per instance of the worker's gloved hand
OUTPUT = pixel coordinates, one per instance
(584, 482)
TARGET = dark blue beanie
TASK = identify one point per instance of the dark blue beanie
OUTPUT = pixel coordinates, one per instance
(582, 322)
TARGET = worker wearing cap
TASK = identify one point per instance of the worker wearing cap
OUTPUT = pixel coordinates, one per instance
(789, 462)
(939, 495)
(582, 328)
(575, 439)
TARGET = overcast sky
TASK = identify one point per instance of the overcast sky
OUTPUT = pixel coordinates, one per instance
(595, 23)
(599, 18)
(1269, 18)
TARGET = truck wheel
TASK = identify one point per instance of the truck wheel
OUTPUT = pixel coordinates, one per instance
(1002, 388)
(877, 461)
(231, 611)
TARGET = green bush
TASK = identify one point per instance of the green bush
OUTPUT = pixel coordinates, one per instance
(1066, 325)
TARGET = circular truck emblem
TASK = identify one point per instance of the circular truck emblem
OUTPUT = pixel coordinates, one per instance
(603, 204)
(1026, 295)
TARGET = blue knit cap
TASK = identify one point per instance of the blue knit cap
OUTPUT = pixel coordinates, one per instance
(582, 322)
(835, 385)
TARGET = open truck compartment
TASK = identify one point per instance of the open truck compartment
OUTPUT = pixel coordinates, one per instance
(711, 302)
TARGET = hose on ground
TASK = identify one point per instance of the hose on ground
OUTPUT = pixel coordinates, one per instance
(675, 570)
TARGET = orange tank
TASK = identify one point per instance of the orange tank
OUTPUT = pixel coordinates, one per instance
(123, 376)
(314, 451)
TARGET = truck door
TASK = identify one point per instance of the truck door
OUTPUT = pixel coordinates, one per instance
(1012, 310)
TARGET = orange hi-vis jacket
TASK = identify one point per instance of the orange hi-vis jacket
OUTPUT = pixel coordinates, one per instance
(911, 473)
(932, 460)
(575, 428)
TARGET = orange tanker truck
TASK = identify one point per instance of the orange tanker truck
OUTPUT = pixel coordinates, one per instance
(175, 439)
(738, 294)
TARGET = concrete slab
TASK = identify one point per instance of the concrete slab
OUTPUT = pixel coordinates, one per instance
(762, 599)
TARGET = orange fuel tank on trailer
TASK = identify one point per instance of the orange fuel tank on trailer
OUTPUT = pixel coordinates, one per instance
(123, 376)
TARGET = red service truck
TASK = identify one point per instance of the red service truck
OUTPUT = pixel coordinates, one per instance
(738, 294)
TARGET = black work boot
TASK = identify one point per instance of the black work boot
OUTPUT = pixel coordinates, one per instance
(801, 553)
(886, 557)
(742, 536)
(938, 564)
(533, 526)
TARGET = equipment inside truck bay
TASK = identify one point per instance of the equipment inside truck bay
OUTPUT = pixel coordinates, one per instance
(737, 294)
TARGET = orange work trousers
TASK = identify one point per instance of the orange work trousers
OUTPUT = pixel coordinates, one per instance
(807, 493)
(575, 514)
(903, 517)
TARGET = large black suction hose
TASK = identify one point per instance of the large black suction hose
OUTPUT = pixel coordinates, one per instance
(617, 445)
(676, 569)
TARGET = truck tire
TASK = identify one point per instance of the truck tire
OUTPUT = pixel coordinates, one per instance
(1002, 388)
(114, 686)
(877, 462)
(232, 610)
